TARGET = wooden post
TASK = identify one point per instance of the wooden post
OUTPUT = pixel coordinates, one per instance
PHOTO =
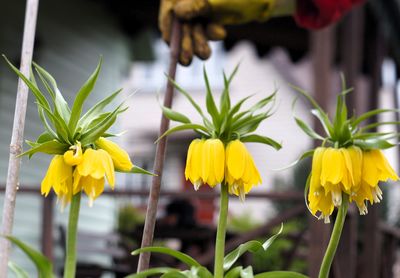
(322, 47)
(17, 132)
(351, 47)
(148, 232)
(47, 226)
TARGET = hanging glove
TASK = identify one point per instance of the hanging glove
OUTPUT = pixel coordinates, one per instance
(203, 20)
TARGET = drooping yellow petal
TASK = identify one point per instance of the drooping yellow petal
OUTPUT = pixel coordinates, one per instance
(219, 160)
(315, 181)
(356, 161)
(58, 177)
(108, 166)
(332, 166)
(347, 182)
(385, 170)
(236, 158)
(74, 155)
(370, 172)
(119, 156)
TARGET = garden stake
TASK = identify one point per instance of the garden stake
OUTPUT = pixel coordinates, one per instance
(148, 231)
(17, 132)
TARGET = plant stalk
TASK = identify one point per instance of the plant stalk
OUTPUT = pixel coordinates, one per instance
(70, 258)
(335, 238)
(221, 232)
(14, 163)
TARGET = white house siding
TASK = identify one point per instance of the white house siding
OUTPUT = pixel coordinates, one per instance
(71, 36)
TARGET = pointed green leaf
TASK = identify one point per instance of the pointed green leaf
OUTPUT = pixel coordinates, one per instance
(49, 147)
(44, 137)
(303, 156)
(255, 138)
(186, 259)
(324, 120)
(252, 246)
(61, 127)
(280, 274)
(138, 170)
(374, 125)
(174, 116)
(176, 274)
(17, 270)
(182, 127)
(260, 104)
(234, 272)
(152, 272)
(42, 264)
(210, 102)
(247, 272)
(308, 130)
(370, 114)
(37, 93)
(81, 96)
(45, 123)
(97, 109)
(373, 144)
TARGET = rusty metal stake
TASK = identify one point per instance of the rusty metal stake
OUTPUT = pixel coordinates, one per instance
(148, 231)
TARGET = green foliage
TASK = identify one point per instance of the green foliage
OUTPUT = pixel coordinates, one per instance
(17, 270)
(63, 125)
(128, 218)
(43, 265)
(224, 121)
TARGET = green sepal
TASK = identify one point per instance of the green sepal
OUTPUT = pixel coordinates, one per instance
(42, 264)
(255, 138)
(186, 259)
(81, 96)
(280, 274)
(370, 114)
(137, 170)
(17, 270)
(151, 272)
(96, 110)
(252, 246)
(308, 130)
(49, 147)
(182, 127)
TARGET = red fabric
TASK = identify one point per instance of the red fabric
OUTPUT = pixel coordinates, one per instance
(316, 14)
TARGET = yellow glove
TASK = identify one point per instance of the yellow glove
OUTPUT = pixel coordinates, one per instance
(203, 20)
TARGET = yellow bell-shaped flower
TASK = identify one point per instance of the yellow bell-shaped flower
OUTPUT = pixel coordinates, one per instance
(241, 172)
(119, 156)
(91, 186)
(193, 169)
(58, 177)
(74, 156)
(213, 162)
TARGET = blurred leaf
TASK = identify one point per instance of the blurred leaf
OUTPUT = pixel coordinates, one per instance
(17, 270)
(373, 144)
(247, 272)
(303, 156)
(97, 109)
(151, 272)
(280, 274)
(44, 121)
(324, 120)
(255, 138)
(177, 274)
(210, 102)
(370, 114)
(44, 137)
(252, 246)
(61, 127)
(260, 104)
(308, 130)
(234, 272)
(42, 264)
(49, 147)
(374, 125)
(138, 170)
(182, 127)
(174, 116)
(81, 96)
(176, 254)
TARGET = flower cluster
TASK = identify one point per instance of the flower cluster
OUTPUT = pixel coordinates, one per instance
(83, 158)
(221, 156)
(209, 162)
(352, 171)
(350, 160)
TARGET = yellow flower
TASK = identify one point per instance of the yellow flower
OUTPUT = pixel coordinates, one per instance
(58, 177)
(193, 169)
(241, 172)
(205, 162)
(120, 157)
(89, 175)
(74, 155)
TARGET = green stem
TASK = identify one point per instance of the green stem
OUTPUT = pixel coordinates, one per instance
(335, 238)
(221, 231)
(70, 259)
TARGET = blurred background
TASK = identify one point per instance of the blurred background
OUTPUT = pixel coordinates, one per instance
(71, 36)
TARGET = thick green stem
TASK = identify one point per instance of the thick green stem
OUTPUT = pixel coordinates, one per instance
(221, 231)
(70, 258)
(335, 238)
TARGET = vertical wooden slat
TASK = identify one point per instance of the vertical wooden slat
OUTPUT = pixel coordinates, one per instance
(149, 225)
(322, 47)
(18, 132)
(47, 226)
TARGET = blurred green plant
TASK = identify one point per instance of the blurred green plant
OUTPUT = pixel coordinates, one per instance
(128, 218)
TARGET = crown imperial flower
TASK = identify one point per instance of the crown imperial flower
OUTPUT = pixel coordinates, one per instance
(119, 156)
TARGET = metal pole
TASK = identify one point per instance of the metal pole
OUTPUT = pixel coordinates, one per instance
(148, 232)
(18, 132)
